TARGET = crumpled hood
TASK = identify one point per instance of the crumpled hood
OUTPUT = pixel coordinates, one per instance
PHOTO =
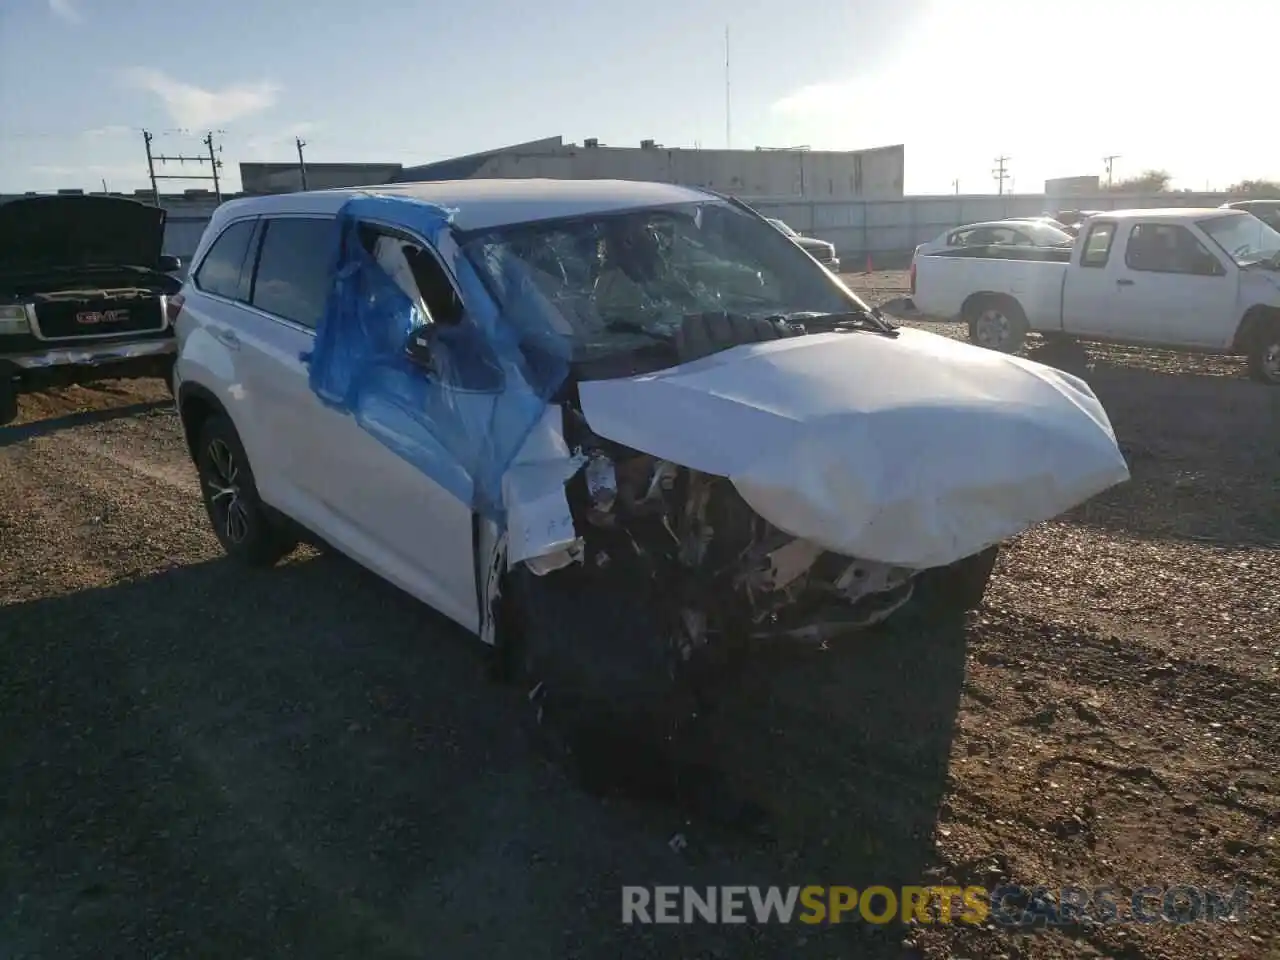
(70, 231)
(917, 450)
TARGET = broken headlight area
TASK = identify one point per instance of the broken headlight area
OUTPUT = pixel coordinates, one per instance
(716, 567)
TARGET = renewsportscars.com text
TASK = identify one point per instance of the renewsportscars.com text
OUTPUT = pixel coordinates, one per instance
(1009, 905)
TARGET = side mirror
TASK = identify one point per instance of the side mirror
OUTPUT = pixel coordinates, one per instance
(170, 264)
(419, 347)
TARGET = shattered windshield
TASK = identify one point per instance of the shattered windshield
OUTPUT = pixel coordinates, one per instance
(613, 282)
(1244, 237)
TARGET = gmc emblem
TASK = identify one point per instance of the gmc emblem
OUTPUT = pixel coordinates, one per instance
(104, 316)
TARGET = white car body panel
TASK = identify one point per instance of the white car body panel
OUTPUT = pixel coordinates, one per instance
(915, 451)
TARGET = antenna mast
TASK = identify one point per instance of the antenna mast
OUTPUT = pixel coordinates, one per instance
(728, 115)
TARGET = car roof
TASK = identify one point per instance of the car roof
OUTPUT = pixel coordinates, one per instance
(481, 204)
(1000, 223)
(1165, 213)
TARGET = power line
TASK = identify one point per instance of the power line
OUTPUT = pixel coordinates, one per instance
(1001, 172)
(212, 159)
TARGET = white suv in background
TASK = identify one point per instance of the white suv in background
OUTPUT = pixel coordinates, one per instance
(613, 425)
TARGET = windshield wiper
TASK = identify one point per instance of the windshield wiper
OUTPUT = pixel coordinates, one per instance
(631, 326)
(873, 320)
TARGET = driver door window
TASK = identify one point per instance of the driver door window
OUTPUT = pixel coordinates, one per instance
(1168, 248)
(416, 271)
(1172, 289)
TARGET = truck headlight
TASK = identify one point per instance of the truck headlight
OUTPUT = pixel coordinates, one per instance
(13, 319)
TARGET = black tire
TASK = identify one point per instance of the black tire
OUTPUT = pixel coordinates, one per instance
(997, 323)
(956, 589)
(612, 704)
(1264, 353)
(243, 524)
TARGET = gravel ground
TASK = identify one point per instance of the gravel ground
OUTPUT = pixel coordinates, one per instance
(304, 762)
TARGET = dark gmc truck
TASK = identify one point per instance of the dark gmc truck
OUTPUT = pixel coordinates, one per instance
(84, 293)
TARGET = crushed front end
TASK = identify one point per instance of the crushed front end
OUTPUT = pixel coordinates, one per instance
(720, 569)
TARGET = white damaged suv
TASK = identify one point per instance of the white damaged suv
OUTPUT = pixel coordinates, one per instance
(613, 425)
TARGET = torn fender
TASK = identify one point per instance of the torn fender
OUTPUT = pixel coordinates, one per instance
(914, 451)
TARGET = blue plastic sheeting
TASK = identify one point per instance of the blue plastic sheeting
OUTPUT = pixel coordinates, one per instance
(464, 421)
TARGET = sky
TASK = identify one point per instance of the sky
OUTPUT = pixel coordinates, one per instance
(1055, 85)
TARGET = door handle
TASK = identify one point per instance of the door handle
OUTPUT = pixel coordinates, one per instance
(1124, 283)
(228, 339)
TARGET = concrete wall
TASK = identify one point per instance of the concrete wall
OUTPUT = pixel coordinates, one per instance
(887, 229)
(811, 174)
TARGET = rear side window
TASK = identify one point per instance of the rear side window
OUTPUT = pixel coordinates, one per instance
(221, 268)
(1097, 246)
(292, 279)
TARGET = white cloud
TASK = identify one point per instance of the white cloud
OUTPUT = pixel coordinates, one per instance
(65, 10)
(193, 106)
(817, 99)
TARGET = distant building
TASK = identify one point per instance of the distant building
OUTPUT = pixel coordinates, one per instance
(802, 173)
(259, 178)
(1064, 188)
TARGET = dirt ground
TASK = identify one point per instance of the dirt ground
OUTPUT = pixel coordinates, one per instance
(200, 761)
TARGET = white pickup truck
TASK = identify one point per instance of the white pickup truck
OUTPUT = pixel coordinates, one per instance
(1204, 280)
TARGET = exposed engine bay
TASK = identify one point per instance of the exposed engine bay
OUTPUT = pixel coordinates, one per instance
(724, 569)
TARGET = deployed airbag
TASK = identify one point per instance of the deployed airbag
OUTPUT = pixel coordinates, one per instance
(915, 451)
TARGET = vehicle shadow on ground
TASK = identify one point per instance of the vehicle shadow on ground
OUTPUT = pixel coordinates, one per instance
(304, 760)
(39, 428)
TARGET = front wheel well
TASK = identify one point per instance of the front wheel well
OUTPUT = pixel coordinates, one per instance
(975, 300)
(1251, 326)
(195, 406)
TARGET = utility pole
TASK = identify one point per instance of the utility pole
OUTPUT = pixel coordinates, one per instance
(302, 164)
(211, 159)
(956, 185)
(1109, 161)
(214, 164)
(151, 169)
(1001, 172)
(728, 115)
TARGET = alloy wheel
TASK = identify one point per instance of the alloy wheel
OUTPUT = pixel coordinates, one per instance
(991, 329)
(230, 516)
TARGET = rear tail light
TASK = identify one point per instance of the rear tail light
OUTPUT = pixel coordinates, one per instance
(173, 307)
